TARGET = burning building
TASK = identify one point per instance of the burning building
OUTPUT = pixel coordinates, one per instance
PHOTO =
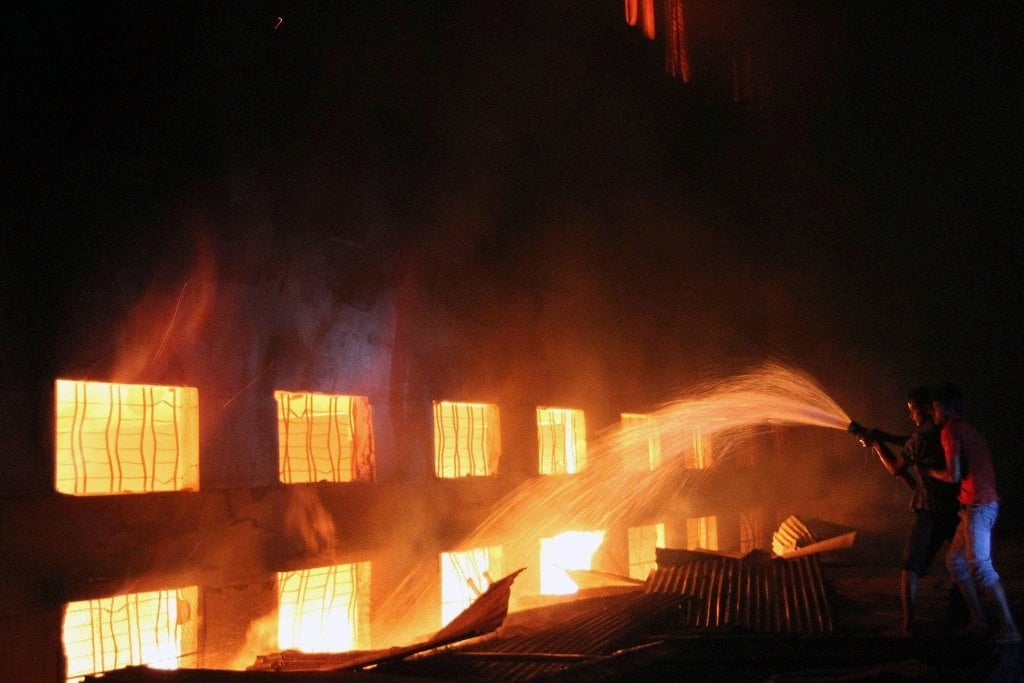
(191, 523)
(321, 406)
(260, 465)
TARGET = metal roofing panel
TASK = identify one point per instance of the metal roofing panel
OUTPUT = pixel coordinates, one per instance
(756, 592)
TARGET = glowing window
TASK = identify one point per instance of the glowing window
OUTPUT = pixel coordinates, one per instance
(467, 439)
(641, 443)
(324, 437)
(567, 550)
(753, 534)
(125, 438)
(157, 628)
(562, 440)
(702, 533)
(642, 543)
(465, 576)
(699, 457)
(324, 609)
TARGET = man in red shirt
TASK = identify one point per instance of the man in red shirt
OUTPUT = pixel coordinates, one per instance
(969, 558)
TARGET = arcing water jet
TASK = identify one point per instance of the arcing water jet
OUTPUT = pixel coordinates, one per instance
(599, 497)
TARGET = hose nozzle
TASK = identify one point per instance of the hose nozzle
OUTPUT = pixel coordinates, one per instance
(857, 430)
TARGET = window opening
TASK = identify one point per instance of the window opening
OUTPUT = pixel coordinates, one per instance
(562, 440)
(702, 533)
(125, 438)
(641, 442)
(324, 609)
(567, 550)
(324, 437)
(700, 456)
(643, 542)
(753, 534)
(467, 439)
(158, 629)
(465, 575)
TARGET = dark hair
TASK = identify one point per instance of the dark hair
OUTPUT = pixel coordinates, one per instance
(921, 397)
(950, 396)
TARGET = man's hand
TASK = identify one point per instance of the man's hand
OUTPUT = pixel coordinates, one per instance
(863, 434)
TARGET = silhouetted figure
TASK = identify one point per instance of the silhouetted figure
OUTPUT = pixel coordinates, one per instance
(934, 502)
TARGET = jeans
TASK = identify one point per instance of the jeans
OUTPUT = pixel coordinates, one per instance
(970, 551)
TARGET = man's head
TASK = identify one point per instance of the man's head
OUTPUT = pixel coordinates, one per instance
(947, 403)
(919, 404)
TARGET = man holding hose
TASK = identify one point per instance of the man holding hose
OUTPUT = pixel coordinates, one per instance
(934, 502)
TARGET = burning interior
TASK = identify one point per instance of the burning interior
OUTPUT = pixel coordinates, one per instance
(121, 438)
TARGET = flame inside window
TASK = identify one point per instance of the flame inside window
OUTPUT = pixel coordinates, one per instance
(324, 437)
(125, 438)
(643, 540)
(157, 628)
(567, 550)
(324, 609)
(641, 443)
(467, 439)
(465, 575)
(702, 533)
(699, 457)
(562, 440)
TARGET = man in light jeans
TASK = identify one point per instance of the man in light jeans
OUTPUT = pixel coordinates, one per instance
(969, 558)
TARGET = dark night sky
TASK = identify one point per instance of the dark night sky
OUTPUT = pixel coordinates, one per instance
(878, 195)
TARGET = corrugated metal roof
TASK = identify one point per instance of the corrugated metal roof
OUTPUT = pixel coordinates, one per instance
(757, 592)
(691, 592)
(591, 630)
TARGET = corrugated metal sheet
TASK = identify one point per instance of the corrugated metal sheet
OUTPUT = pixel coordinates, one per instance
(757, 592)
(796, 536)
(591, 631)
(690, 593)
(790, 535)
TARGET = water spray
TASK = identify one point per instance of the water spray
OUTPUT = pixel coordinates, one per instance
(726, 409)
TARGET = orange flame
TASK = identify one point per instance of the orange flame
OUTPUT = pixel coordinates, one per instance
(567, 550)
(307, 517)
(677, 62)
(642, 12)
